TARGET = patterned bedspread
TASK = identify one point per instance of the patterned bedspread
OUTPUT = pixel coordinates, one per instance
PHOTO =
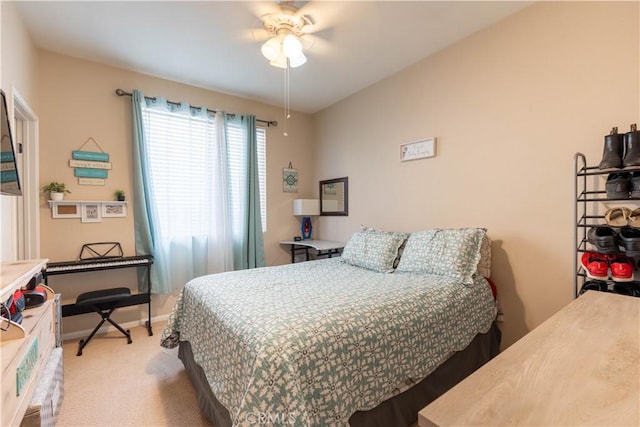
(311, 343)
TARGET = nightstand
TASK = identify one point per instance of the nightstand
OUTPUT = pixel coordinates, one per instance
(323, 248)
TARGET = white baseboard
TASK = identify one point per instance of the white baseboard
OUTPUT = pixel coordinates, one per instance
(82, 334)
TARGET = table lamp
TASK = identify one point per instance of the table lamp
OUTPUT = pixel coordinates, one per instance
(306, 208)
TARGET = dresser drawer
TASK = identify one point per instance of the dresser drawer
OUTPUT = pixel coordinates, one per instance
(23, 360)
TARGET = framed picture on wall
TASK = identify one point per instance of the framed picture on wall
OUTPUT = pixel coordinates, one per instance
(91, 212)
(114, 210)
(290, 180)
(65, 209)
(418, 149)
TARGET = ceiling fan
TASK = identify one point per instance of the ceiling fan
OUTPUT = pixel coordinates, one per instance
(286, 32)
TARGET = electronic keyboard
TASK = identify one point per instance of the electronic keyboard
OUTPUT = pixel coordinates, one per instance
(96, 264)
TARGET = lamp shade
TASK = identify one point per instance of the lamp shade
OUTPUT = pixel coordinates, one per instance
(306, 207)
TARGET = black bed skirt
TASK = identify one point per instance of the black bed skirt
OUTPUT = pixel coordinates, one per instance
(401, 410)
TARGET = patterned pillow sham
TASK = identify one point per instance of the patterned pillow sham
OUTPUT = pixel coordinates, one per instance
(484, 265)
(452, 253)
(373, 249)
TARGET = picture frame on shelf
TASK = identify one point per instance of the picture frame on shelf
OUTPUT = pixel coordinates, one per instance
(66, 210)
(114, 210)
(91, 212)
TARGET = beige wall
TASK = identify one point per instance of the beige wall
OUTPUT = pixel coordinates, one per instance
(18, 65)
(77, 102)
(509, 106)
(19, 57)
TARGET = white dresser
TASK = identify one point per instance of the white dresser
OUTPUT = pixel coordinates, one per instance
(25, 348)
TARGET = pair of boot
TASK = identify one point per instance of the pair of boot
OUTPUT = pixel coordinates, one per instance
(621, 150)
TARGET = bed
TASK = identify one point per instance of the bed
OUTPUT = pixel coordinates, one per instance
(340, 341)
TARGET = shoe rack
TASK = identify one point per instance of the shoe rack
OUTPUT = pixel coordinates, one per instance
(590, 196)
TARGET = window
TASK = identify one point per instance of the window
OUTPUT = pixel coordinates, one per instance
(183, 156)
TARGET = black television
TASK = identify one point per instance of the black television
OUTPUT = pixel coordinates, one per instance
(9, 176)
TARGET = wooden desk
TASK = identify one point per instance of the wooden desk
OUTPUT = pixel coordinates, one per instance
(322, 247)
(580, 367)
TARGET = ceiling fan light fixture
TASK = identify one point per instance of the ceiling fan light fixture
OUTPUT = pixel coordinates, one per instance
(298, 60)
(285, 29)
(280, 61)
(271, 49)
(291, 46)
(284, 49)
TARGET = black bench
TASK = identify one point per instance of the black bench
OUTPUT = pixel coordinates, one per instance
(104, 302)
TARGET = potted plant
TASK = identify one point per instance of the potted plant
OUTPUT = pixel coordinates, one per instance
(120, 195)
(56, 190)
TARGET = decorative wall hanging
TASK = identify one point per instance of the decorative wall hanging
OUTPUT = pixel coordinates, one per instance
(90, 167)
(290, 179)
(418, 149)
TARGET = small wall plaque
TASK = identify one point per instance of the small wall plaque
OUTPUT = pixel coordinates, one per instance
(418, 150)
(90, 156)
(91, 173)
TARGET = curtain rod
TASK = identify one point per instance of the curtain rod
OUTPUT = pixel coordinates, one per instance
(121, 92)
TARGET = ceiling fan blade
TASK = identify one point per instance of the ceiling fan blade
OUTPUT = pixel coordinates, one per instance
(323, 15)
(299, 7)
(260, 34)
(261, 8)
(314, 44)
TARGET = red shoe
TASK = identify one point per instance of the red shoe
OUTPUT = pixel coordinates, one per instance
(595, 265)
(621, 268)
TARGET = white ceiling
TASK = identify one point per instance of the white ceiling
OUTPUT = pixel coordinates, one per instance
(211, 44)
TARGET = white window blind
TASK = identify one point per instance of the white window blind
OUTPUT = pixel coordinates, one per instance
(181, 158)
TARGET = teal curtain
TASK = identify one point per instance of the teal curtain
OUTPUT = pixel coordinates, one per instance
(143, 218)
(248, 248)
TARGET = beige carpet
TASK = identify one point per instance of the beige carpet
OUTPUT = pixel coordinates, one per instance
(118, 384)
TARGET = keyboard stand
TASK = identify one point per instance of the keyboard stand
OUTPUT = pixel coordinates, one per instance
(70, 267)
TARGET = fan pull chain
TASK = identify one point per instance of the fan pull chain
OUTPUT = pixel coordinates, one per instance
(287, 112)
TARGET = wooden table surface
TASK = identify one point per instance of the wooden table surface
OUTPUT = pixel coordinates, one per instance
(580, 367)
